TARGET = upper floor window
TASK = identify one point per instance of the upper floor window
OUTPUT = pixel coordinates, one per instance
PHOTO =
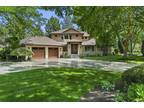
(66, 36)
(70, 36)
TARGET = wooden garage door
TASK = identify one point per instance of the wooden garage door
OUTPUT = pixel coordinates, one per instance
(38, 53)
(53, 52)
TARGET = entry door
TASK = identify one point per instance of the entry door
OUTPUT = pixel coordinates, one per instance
(74, 48)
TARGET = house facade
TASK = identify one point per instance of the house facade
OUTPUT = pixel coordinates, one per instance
(63, 43)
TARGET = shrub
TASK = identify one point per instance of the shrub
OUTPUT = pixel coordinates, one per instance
(21, 52)
(120, 97)
(116, 51)
(136, 92)
(134, 75)
(106, 85)
(121, 85)
(131, 85)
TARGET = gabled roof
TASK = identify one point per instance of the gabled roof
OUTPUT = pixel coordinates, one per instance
(64, 30)
(41, 40)
(89, 42)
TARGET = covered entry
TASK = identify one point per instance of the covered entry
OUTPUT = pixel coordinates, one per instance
(74, 48)
(53, 53)
(38, 53)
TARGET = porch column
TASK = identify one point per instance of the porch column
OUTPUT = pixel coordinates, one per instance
(46, 52)
(79, 49)
(60, 51)
(69, 49)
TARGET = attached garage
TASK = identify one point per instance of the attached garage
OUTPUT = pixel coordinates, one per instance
(53, 52)
(43, 47)
(38, 53)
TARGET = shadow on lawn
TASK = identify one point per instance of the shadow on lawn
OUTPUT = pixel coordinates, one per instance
(51, 84)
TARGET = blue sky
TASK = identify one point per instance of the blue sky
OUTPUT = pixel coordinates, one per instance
(48, 15)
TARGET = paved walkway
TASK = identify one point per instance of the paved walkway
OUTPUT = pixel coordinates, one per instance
(98, 96)
(7, 67)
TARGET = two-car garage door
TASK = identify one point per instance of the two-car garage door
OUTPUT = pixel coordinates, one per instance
(39, 53)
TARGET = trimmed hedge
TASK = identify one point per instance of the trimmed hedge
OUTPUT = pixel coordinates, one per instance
(131, 85)
(134, 75)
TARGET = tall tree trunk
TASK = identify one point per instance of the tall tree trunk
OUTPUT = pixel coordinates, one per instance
(142, 48)
(131, 47)
(123, 47)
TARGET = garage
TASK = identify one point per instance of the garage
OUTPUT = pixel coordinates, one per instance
(53, 52)
(38, 53)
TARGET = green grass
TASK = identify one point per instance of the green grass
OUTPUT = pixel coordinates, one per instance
(52, 84)
(118, 58)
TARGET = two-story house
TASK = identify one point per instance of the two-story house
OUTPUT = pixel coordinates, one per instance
(67, 42)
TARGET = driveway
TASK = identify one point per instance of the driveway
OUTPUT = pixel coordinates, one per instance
(8, 67)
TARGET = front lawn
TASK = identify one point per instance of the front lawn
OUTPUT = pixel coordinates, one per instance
(118, 58)
(52, 84)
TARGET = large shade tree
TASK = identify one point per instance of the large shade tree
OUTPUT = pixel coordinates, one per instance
(107, 24)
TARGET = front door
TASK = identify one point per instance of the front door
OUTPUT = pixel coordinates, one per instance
(74, 48)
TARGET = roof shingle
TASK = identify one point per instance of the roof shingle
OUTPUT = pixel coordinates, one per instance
(41, 40)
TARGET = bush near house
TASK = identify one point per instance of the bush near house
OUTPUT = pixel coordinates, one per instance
(22, 53)
(131, 85)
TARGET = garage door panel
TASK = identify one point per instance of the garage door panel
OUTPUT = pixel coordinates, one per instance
(38, 53)
(53, 52)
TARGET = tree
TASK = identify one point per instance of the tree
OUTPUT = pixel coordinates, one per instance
(121, 23)
(52, 25)
(68, 22)
(142, 48)
(18, 23)
(22, 52)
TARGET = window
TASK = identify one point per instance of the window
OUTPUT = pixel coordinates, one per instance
(86, 48)
(70, 36)
(85, 37)
(76, 35)
(66, 36)
(55, 35)
(93, 48)
(89, 48)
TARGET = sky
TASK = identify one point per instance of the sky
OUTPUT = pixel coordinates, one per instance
(48, 15)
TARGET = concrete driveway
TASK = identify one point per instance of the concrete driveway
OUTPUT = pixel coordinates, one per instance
(8, 67)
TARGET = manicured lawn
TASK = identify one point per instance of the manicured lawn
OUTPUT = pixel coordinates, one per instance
(118, 58)
(52, 84)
